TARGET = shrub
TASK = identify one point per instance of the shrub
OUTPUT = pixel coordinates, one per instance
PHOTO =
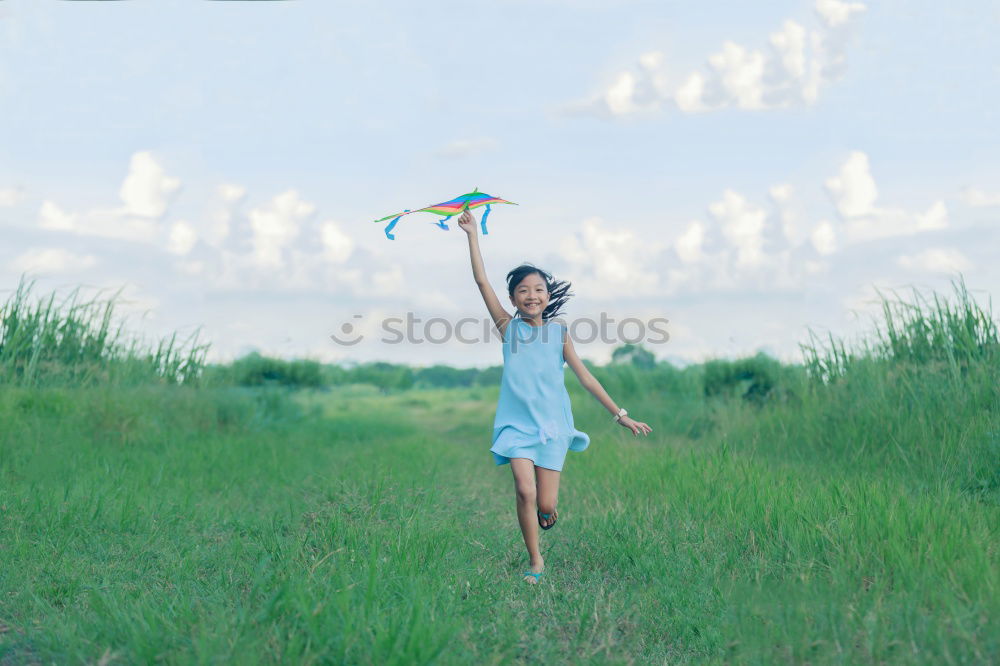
(753, 379)
(257, 370)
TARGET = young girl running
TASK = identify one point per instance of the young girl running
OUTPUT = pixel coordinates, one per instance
(533, 428)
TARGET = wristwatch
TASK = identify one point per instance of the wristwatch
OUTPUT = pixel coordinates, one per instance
(621, 413)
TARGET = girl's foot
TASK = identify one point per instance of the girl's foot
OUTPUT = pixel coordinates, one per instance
(535, 568)
(551, 519)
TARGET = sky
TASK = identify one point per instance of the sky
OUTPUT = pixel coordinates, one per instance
(754, 174)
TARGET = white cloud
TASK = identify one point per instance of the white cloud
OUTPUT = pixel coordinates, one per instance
(219, 220)
(979, 199)
(745, 255)
(231, 193)
(855, 195)
(634, 92)
(275, 225)
(10, 196)
(739, 73)
(790, 45)
(619, 95)
(51, 260)
(467, 147)
(51, 216)
(936, 260)
(824, 238)
(689, 95)
(836, 13)
(781, 196)
(688, 245)
(780, 193)
(147, 189)
(106, 222)
(337, 245)
(611, 260)
(182, 238)
(743, 226)
(791, 71)
(145, 192)
(276, 246)
(936, 217)
(853, 189)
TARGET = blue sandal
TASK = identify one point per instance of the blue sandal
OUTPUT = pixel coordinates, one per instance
(546, 516)
(536, 575)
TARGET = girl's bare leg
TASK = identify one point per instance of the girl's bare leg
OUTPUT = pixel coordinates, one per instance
(524, 487)
(547, 492)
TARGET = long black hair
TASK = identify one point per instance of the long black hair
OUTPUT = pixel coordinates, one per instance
(558, 290)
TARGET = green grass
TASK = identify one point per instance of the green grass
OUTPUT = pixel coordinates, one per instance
(45, 342)
(180, 525)
(848, 520)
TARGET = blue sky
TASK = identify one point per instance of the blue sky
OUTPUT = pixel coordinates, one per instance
(745, 170)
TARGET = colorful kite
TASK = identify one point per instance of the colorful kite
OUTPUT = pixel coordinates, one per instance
(449, 209)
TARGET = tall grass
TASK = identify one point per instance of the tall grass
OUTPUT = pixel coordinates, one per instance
(925, 332)
(917, 401)
(72, 342)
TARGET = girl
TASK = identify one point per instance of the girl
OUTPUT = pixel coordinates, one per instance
(533, 428)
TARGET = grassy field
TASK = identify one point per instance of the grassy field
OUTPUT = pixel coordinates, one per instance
(849, 521)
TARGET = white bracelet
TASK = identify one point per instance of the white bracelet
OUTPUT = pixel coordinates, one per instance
(620, 414)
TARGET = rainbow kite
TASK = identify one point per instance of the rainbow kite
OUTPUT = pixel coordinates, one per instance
(449, 209)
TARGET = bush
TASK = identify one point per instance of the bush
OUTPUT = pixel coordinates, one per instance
(753, 379)
(256, 370)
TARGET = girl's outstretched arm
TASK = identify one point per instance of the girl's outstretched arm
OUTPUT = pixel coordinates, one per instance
(500, 316)
(589, 382)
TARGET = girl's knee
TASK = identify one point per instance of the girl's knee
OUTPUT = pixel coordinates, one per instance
(526, 493)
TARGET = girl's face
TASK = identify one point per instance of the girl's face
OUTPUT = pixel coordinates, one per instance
(531, 296)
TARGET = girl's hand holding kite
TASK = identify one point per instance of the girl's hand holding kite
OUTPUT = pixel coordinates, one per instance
(468, 223)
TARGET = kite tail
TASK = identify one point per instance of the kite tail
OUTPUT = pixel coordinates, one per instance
(392, 224)
(441, 223)
(482, 222)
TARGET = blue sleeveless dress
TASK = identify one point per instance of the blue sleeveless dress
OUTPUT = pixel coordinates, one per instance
(534, 419)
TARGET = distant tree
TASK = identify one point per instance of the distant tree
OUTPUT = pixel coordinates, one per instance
(386, 376)
(444, 376)
(637, 355)
(490, 376)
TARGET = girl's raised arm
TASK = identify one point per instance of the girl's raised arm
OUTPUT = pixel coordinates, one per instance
(500, 316)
